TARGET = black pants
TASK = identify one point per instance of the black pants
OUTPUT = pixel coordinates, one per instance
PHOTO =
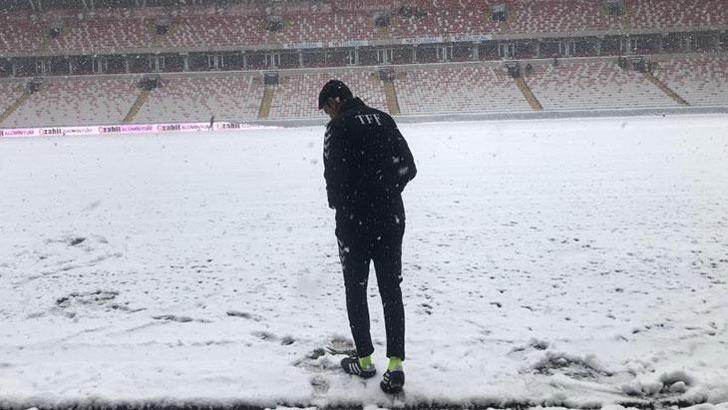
(358, 245)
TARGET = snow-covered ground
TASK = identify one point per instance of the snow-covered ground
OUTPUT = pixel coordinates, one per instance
(546, 263)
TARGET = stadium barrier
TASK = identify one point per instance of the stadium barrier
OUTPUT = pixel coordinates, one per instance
(268, 124)
(516, 116)
(127, 129)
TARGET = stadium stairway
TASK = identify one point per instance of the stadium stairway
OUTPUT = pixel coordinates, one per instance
(665, 88)
(266, 102)
(45, 41)
(390, 92)
(15, 105)
(383, 33)
(137, 106)
(156, 37)
(528, 93)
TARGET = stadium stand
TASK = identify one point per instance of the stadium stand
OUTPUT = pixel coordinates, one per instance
(227, 96)
(700, 81)
(296, 96)
(201, 31)
(559, 16)
(573, 84)
(327, 27)
(458, 89)
(593, 85)
(646, 14)
(102, 34)
(10, 93)
(10, 90)
(251, 36)
(76, 101)
(425, 18)
(195, 27)
(19, 32)
(578, 16)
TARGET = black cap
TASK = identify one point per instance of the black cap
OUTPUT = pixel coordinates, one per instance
(333, 89)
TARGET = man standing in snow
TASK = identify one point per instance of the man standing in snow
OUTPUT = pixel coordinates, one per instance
(367, 165)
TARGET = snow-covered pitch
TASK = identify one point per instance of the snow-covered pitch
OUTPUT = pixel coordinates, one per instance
(566, 263)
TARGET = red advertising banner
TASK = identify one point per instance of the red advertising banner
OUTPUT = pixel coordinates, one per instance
(125, 129)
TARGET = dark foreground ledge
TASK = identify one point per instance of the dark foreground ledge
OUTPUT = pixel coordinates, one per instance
(241, 405)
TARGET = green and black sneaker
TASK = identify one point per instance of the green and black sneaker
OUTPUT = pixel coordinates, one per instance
(393, 381)
(351, 365)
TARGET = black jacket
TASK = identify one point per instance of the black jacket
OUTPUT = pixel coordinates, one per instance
(367, 164)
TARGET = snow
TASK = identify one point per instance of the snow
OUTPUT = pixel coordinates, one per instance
(547, 263)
